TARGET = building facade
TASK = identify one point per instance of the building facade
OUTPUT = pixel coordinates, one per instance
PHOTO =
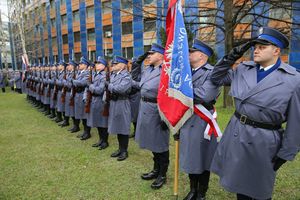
(61, 29)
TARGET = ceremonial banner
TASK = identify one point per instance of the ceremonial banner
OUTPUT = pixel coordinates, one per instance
(175, 95)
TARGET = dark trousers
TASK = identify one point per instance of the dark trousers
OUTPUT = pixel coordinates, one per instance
(85, 127)
(123, 142)
(3, 89)
(161, 162)
(200, 182)
(244, 197)
(103, 134)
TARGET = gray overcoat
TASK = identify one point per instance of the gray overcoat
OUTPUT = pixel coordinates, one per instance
(69, 110)
(119, 118)
(80, 82)
(196, 152)
(60, 106)
(95, 117)
(243, 159)
(149, 134)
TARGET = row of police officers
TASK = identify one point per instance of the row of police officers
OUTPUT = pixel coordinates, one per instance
(12, 78)
(266, 94)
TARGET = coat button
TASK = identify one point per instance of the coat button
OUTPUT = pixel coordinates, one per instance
(235, 134)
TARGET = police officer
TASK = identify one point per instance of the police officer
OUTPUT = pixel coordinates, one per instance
(47, 90)
(196, 152)
(60, 106)
(119, 118)
(151, 133)
(52, 81)
(2, 81)
(96, 116)
(38, 79)
(135, 95)
(70, 96)
(18, 81)
(267, 94)
(80, 83)
(11, 76)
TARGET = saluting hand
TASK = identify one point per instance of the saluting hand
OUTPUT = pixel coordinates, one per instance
(237, 52)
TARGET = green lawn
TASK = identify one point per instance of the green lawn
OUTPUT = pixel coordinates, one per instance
(39, 160)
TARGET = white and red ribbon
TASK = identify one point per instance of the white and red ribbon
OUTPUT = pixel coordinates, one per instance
(212, 125)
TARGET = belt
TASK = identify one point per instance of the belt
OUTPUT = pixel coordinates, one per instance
(208, 106)
(80, 89)
(69, 90)
(96, 95)
(150, 100)
(246, 120)
(116, 97)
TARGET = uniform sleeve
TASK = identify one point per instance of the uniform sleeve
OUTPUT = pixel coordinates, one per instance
(123, 88)
(100, 88)
(207, 92)
(291, 137)
(83, 82)
(222, 73)
(135, 84)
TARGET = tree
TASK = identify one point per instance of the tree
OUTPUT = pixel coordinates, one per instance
(236, 19)
(16, 16)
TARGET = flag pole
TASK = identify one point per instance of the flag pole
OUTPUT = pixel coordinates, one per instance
(176, 169)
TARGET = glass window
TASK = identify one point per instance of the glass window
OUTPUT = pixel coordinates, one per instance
(66, 57)
(107, 31)
(76, 16)
(148, 2)
(53, 23)
(106, 7)
(65, 39)
(149, 24)
(64, 19)
(54, 42)
(77, 36)
(91, 34)
(283, 12)
(127, 52)
(108, 53)
(92, 56)
(90, 11)
(62, 2)
(207, 17)
(77, 56)
(126, 4)
(126, 28)
(147, 48)
(52, 4)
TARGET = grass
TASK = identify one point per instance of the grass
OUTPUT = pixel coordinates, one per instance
(39, 160)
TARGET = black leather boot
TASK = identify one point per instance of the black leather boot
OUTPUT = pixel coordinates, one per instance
(97, 144)
(123, 146)
(192, 195)
(203, 185)
(163, 168)
(104, 136)
(53, 115)
(76, 125)
(58, 117)
(154, 173)
(87, 133)
(65, 122)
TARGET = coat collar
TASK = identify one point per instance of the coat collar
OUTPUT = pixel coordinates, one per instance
(200, 72)
(272, 80)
